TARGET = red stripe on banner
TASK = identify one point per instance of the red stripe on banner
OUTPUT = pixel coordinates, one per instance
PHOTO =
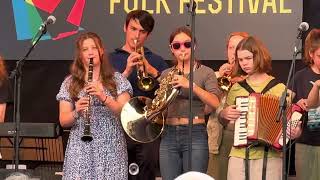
(64, 35)
(46, 5)
(75, 15)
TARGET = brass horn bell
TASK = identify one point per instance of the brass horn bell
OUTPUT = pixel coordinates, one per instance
(145, 81)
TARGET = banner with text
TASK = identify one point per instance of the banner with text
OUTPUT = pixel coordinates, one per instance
(275, 22)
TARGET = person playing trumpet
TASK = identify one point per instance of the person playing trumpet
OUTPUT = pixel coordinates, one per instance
(137, 28)
(225, 70)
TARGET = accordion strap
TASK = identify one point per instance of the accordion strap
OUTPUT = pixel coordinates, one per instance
(265, 160)
(246, 161)
(246, 164)
(248, 88)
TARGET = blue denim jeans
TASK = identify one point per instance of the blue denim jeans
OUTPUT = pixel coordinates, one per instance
(174, 150)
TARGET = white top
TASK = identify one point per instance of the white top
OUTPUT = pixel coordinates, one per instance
(193, 175)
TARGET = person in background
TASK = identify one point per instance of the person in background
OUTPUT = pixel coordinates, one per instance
(306, 81)
(220, 138)
(105, 157)
(174, 140)
(137, 28)
(4, 89)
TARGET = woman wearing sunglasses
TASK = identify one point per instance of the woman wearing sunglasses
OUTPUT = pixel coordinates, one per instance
(174, 142)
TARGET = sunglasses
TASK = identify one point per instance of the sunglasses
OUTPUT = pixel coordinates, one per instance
(177, 45)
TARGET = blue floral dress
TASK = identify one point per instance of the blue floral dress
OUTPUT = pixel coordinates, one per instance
(105, 157)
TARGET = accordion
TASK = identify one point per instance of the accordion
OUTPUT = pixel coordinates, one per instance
(258, 120)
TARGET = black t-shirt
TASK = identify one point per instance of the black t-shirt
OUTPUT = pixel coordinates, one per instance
(311, 126)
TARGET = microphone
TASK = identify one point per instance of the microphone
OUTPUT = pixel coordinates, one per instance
(304, 26)
(43, 29)
(191, 6)
(50, 20)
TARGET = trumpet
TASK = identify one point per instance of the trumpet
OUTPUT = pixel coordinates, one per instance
(224, 82)
(145, 81)
(133, 169)
(87, 113)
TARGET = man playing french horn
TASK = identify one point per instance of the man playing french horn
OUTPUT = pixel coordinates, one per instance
(129, 60)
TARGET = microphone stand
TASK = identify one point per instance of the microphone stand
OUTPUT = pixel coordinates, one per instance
(16, 74)
(283, 104)
(191, 9)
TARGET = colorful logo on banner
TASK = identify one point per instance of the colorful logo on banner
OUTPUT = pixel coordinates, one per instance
(28, 20)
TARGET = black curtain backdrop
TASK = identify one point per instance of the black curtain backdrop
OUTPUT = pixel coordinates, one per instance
(41, 81)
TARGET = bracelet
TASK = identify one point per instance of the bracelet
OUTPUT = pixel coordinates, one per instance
(105, 99)
(75, 114)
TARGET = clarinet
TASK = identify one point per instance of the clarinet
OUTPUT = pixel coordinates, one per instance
(87, 113)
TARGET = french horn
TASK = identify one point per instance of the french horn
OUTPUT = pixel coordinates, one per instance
(142, 118)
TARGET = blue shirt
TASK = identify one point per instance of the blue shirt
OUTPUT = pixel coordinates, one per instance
(118, 59)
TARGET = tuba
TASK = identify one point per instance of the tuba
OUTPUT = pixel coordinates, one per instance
(87, 113)
(145, 81)
(142, 118)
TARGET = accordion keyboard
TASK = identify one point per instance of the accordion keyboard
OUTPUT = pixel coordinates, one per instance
(240, 134)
